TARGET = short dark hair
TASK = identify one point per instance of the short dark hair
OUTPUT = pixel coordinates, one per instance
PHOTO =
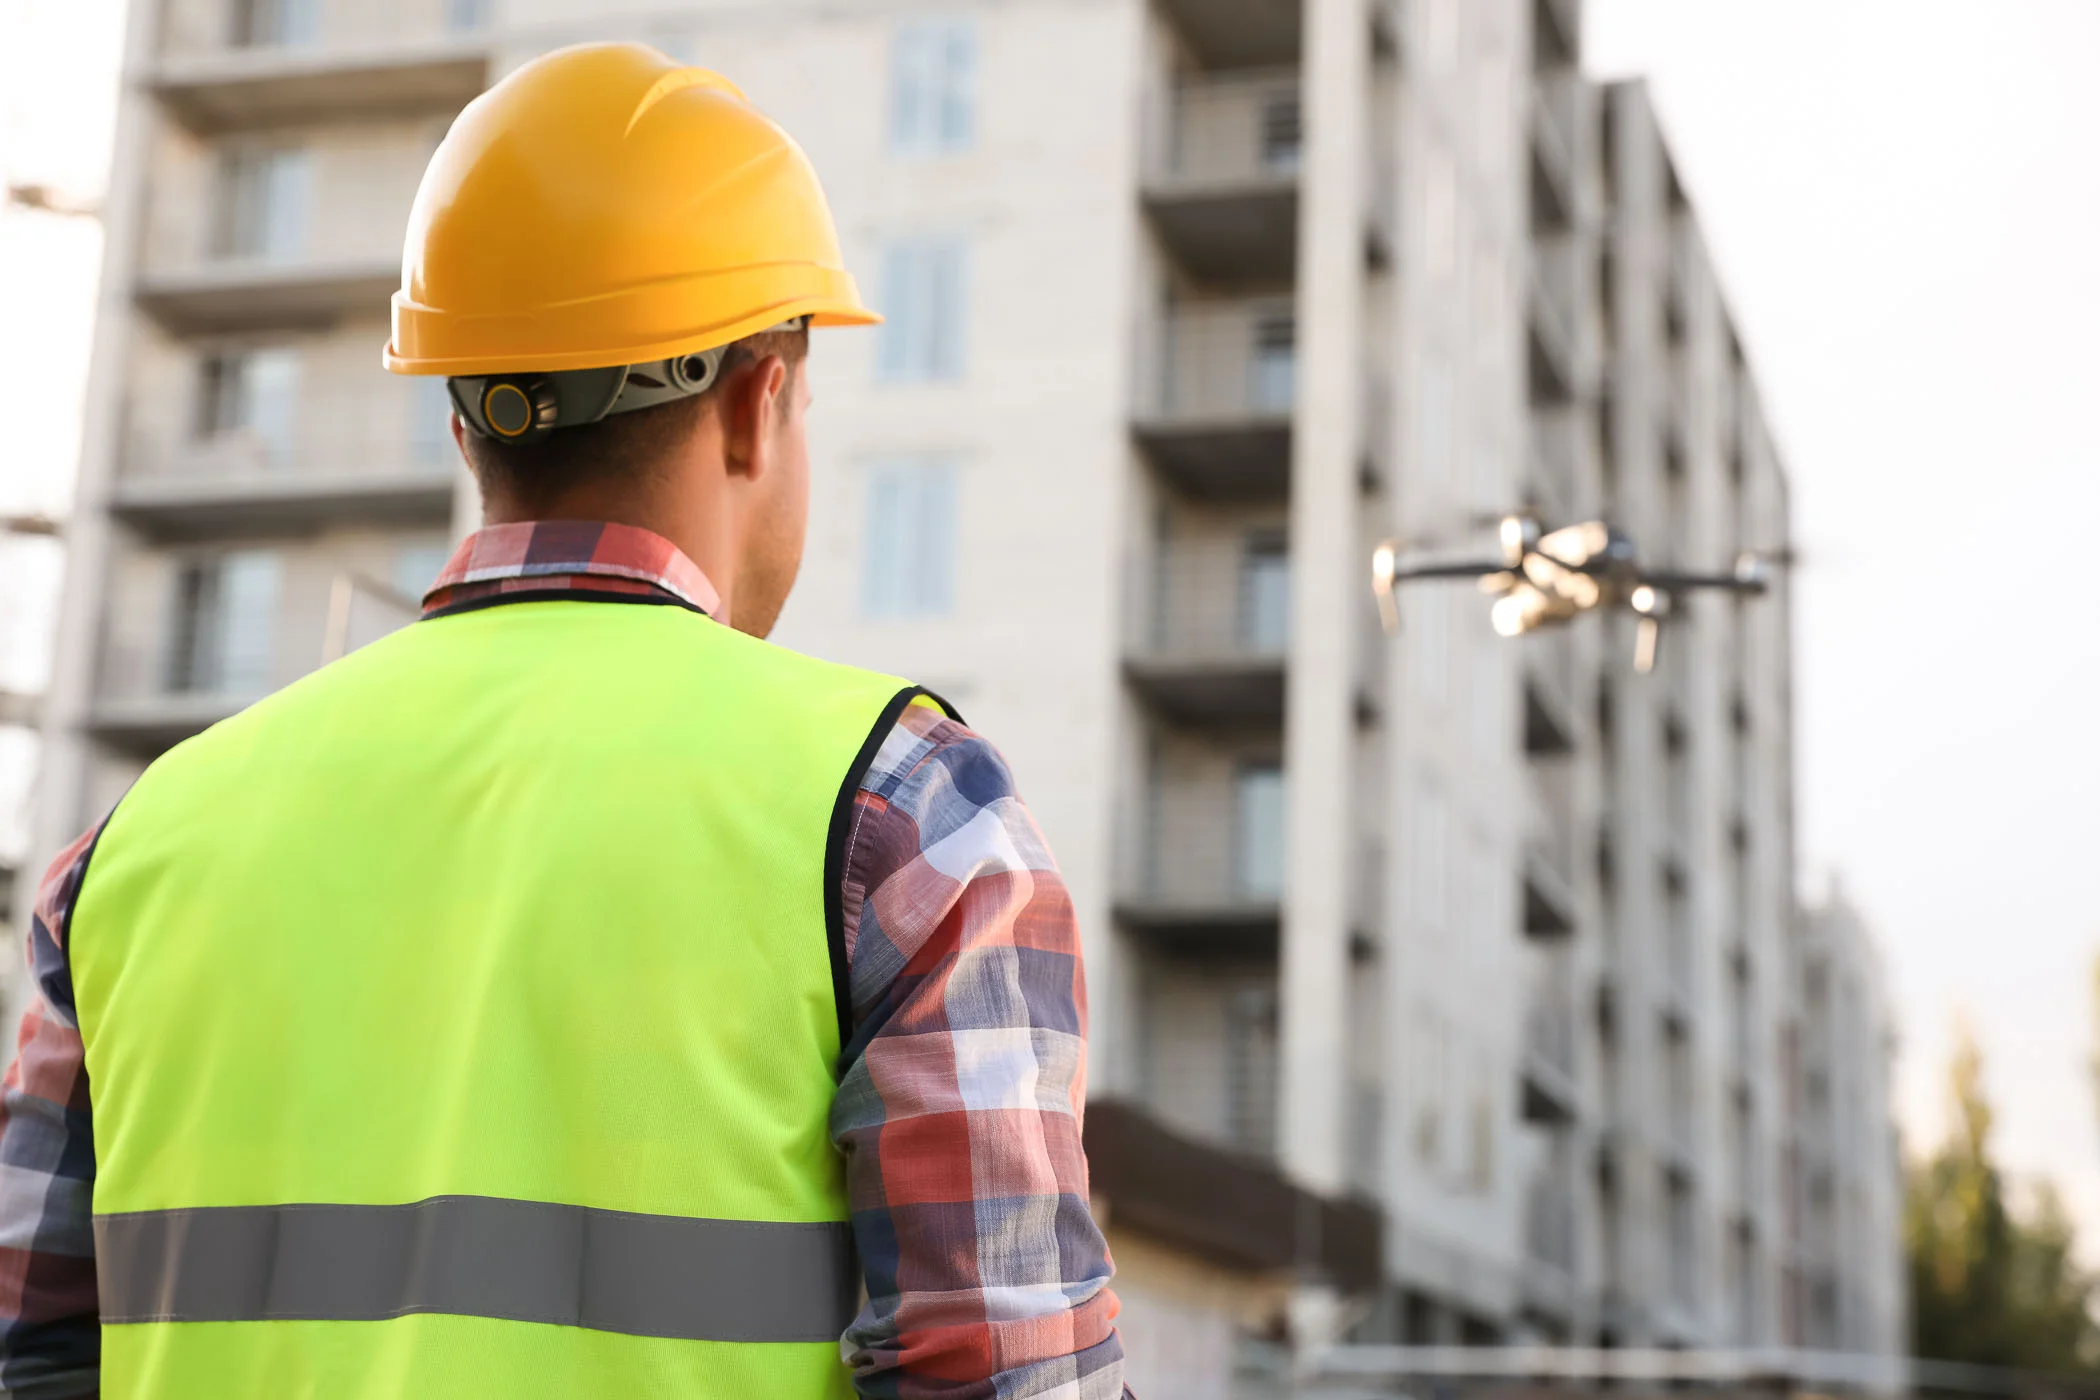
(621, 446)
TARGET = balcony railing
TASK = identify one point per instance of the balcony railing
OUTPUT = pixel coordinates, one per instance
(1549, 1221)
(1567, 457)
(249, 234)
(1208, 872)
(1549, 1076)
(231, 65)
(1222, 179)
(1567, 334)
(379, 454)
(1207, 645)
(1552, 724)
(1217, 386)
(1227, 361)
(1226, 599)
(390, 427)
(1562, 121)
(231, 626)
(198, 27)
(1549, 1031)
(1231, 129)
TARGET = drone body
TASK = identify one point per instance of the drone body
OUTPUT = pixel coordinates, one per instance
(1546, 578)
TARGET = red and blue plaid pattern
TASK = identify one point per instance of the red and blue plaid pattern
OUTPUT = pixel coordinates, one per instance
(959, 1110)
(550, 556)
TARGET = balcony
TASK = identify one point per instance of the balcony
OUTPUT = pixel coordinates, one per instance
(1238, 33)
(1559, 111)
(1224, 1208)
(1551, 723)
(1222, 189)
(1548, 869)
(1549, 1242)
(1557, 27)
(279, 231)
(1680, 1002)
(1207, 879)
(253, 294)
(1548, 1078)
(1209, 653)
(1213, 410)
(209, 632)
(234, 64)
(377, 456)
(1566, 336)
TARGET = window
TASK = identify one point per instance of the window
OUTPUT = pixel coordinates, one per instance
(225, 616)
(925, 293)
(273, 23)
(1282, 133)
(933, 87)
(1265, 593)
(252, 397)
(1273, 369)
(908, 552)
(265, 194)
(1258, 831)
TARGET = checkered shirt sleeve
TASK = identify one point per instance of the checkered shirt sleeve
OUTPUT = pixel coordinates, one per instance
(50, 1332)
(959, 1110)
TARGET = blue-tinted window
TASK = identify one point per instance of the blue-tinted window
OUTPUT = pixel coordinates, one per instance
(908, 551)
(925, 305)
(933, 87)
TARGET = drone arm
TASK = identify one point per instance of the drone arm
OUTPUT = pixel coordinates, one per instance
(1435, 571)
(1684, 583)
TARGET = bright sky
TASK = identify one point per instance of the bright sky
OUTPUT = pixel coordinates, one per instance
(58, 83)
(1904, 201)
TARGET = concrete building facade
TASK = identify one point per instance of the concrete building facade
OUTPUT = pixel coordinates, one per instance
(1850, 1203)
(1439, 982)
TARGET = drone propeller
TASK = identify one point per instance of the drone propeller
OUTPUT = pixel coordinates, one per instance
(1650, 605)
(1387, 573)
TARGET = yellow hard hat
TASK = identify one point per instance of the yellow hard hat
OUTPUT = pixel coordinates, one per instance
(602, 206)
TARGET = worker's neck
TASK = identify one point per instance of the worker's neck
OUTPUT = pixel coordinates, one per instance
(698, 521)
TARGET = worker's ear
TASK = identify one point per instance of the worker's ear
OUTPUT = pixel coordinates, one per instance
(752, 405)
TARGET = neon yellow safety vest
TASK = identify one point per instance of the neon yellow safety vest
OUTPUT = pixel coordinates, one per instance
(463, 1020)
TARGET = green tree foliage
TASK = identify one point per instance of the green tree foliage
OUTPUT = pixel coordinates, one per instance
(1991, 1283)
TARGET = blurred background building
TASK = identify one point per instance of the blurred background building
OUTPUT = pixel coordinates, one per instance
(1445, 988)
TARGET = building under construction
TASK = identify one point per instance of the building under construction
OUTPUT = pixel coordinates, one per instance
(1446, 989)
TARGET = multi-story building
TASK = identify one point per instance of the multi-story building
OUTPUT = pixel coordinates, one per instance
(1850, 1293)
(1439, 970)
(1696, 853)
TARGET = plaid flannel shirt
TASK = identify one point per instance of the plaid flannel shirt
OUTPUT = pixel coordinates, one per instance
(958, 1112)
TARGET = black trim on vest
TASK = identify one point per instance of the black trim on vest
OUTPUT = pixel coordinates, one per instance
(653, 598)
(835, 849)
(63, 937)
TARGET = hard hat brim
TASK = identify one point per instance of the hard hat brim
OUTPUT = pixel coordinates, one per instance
(504, 333)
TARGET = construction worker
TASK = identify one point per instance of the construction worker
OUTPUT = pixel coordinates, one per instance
(572, 993)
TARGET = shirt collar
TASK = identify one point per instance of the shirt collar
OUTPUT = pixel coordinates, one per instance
(568, 554)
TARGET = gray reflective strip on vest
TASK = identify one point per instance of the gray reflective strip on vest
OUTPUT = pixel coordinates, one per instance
(481, 1256)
